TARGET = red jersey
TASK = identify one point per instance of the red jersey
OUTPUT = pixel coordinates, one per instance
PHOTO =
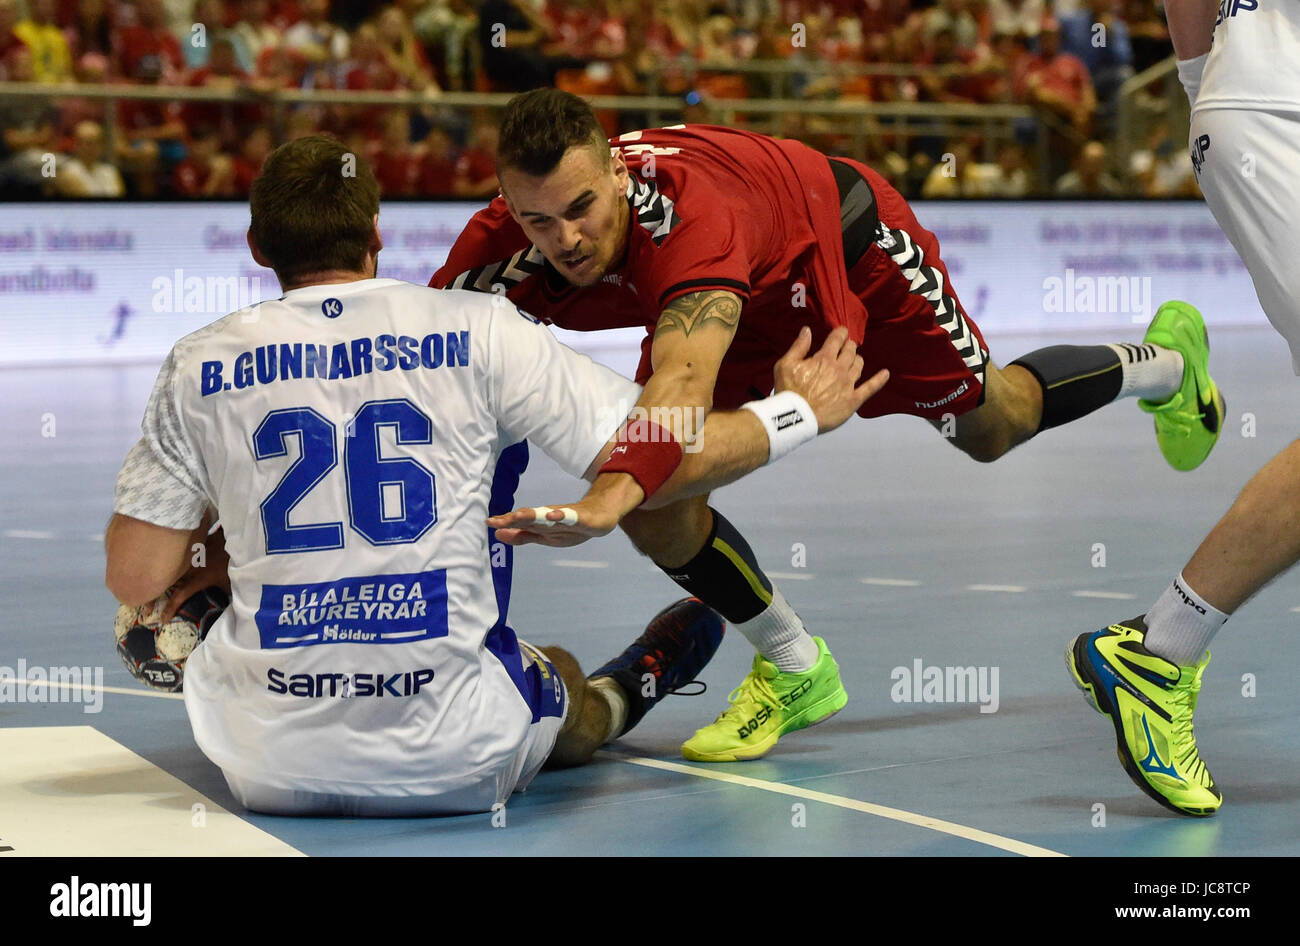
(189, 178)
(398, 172)
(724, 209)
(137, 42)
(711, 208)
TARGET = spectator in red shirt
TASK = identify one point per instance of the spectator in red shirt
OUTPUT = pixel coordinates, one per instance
(1059, 82)
(403, 51)
(252, 155)
(9, 41)
(90, 69)
(222, 72)
(368, 68)
(1012, 58)
(583, 29)
(205, 172)
(150, 132)
(476, 169)
(284, 14)
(149, 38)
(396, 162)
(278, 68)
(958, 83)
(438, 173)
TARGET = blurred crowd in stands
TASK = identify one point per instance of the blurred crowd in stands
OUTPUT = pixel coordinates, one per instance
(1065, 59)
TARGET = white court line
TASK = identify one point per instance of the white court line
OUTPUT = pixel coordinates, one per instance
(791, 576)
(141, 691)
(894, 814)
(578, 563)
(891, 582)
(97, 537)
(1116, 595)
(1009, 589)
(27, 534)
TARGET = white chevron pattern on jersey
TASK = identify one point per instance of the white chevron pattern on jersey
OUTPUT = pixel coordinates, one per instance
(507, 273)
(926, 281)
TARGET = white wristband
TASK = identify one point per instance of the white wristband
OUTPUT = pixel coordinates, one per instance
(788, 420)
(1189, 74)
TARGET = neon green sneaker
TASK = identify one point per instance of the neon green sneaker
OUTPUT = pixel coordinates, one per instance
(767, 705)
(1151, 702)
(1188, 424)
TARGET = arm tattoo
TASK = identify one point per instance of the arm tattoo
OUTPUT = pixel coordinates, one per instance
(690, 312)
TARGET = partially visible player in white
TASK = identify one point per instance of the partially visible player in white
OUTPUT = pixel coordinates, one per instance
(1239, 61)
(351, 436)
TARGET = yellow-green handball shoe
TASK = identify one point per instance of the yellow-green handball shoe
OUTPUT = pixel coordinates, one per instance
(1150, 701)
(767, 705)
(1188, 424)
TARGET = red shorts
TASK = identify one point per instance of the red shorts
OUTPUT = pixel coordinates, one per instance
(916, 327)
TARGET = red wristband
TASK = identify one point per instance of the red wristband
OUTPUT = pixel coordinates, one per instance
(647, 452)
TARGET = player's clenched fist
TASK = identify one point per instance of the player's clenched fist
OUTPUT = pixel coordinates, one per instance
(828, 379)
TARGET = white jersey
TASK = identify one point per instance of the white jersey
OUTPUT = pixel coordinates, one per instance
(352, 438)
(1255, 60)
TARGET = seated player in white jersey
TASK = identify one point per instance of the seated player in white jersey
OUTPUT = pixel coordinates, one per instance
(354, 436)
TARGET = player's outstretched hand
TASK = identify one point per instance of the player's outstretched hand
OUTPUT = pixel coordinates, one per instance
(828, 379)
(560, 527)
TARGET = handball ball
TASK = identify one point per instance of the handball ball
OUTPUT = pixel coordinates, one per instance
(154, 652)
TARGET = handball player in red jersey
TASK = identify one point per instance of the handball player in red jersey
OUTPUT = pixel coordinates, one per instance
(726, 245)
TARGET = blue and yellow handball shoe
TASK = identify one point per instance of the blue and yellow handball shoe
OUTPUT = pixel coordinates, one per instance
(1188, 423)
(1151, 702)
(675, 646)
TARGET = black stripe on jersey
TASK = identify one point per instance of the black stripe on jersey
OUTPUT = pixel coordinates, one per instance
(694, 285)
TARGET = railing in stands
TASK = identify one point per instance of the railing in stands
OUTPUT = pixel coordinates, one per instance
(853, 120)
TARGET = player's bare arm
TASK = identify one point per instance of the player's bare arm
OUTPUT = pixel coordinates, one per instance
(1191, 26)
(144, 560)
(735, 443)
(692, 336)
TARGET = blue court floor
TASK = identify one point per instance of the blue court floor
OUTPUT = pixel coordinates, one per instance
(897, 549)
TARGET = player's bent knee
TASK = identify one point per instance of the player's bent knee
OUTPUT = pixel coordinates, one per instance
(672, 534)
(985, 449)
(567, 666)
(583, 730)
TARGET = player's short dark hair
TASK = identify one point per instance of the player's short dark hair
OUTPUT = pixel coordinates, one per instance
(313, 207)
(538, 127)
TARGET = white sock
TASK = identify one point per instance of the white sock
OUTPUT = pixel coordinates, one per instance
(1150, 372)
(1181, 623)
(779, 635)
(617, 700)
